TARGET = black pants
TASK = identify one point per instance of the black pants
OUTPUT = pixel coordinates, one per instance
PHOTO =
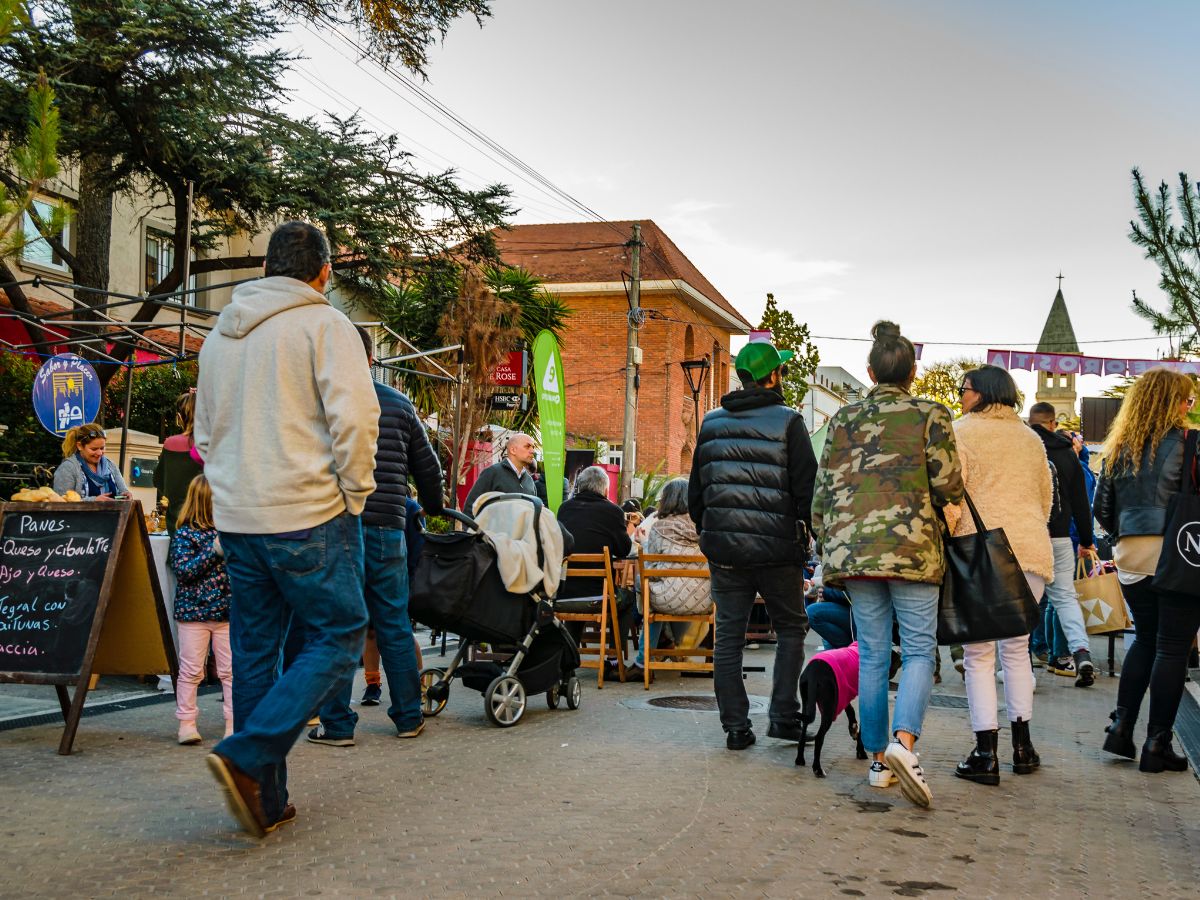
(733, 592)
(1165, 625)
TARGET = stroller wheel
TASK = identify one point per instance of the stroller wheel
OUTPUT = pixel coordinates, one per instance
(574, 692)
(435, 691)
(504, 701)
(552, 696)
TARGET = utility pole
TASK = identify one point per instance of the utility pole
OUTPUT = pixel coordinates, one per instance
(633, 355)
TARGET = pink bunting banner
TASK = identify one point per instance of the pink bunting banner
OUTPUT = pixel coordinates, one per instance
(1075, 364)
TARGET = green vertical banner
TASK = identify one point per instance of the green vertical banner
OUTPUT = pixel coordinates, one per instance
(552, 414)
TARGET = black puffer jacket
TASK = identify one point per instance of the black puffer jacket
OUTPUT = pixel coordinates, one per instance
(751, 487)
(1134, 501)
(1072, 490)
(403, 450)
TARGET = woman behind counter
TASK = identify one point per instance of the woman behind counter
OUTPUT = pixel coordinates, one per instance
(179, 462)
(85, 469)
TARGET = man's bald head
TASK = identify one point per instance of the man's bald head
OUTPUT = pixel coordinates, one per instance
(1043, 414)
(520, 450)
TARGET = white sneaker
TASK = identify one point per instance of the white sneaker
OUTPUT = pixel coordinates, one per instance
(907, 767)
(881, 776)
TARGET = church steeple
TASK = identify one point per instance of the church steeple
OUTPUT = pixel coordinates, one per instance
(1058, 336)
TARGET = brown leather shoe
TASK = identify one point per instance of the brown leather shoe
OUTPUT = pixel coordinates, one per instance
(242, 795)
(288, 815)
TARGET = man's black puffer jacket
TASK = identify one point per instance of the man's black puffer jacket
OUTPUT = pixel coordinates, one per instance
(403, 450)
(751, 487)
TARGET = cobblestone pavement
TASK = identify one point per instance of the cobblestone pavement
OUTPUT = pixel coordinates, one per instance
(606, 800)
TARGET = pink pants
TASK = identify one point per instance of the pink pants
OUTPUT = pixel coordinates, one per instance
(193, 652)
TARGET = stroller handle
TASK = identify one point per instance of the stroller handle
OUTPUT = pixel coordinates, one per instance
(460, 517)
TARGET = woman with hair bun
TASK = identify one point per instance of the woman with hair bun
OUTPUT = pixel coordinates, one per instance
(889, 462)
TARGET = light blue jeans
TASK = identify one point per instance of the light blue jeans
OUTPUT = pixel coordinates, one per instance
(1061, 594)
(914, 605)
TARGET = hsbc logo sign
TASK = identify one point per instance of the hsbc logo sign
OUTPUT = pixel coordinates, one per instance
(1188, 543)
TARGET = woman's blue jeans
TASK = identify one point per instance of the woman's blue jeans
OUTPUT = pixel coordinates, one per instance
(914, 605)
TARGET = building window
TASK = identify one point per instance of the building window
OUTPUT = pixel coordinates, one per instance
(160, 260)
(614, 456)
(38, 251)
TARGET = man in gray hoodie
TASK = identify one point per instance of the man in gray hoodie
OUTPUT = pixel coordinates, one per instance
(286, 421)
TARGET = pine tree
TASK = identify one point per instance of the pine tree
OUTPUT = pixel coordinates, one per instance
(1176, 252)
(788, 334)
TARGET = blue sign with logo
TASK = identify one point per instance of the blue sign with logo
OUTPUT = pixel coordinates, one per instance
(66, 393)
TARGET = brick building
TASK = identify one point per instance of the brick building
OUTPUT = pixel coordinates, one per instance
(587, 265)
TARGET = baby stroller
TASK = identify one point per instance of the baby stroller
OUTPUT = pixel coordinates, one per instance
(458, 587)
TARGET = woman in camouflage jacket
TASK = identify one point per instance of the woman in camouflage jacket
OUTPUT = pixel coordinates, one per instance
(890, 460)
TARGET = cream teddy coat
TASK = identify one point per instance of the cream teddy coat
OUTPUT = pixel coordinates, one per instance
(1006, 472)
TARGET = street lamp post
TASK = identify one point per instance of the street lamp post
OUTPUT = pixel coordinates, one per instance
(696, 370)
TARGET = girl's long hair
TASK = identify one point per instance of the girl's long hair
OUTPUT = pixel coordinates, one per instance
(80, 436)
(185, 412)
(1153, 406)
(197, 509)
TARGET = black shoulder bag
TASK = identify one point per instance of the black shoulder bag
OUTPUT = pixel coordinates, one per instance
(1179, 563)
(984, 595)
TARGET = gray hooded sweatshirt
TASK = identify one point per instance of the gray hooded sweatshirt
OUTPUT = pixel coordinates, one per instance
(286, 414)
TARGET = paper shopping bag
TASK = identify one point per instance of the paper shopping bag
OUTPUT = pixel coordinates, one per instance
(1101, 599)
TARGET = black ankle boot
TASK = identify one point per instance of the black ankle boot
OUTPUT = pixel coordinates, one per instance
(1119, 739)
(983, 765)
(1158, 755)
(1025, 758)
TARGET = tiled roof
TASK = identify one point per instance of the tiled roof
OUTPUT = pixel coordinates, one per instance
(575, 252)
(167, 337)
(1058, 336)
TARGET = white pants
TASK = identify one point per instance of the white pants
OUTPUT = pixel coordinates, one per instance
(979, 664)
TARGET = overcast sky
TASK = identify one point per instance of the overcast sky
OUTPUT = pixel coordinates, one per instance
(932, 161)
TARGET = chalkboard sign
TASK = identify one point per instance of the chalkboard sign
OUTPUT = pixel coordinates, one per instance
(79, 596)
(52, 567)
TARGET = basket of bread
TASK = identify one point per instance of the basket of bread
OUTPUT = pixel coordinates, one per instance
(44, 495)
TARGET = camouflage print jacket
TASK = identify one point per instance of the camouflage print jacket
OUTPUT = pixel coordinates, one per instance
(889, 459)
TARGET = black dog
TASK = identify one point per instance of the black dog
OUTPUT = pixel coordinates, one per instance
(819, 691)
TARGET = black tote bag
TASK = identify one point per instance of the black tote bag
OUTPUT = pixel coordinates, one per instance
(1179, 563)
(984, 596)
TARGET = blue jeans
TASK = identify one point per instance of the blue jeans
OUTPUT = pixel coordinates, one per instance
(1061, 594)
(831, 620)
(386, 593)
(317, 580)
(914, 606)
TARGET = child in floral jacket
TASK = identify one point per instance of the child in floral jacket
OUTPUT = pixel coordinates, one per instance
(201, 607)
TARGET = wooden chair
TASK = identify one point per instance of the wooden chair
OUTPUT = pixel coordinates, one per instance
(674, 566)
(597, 625)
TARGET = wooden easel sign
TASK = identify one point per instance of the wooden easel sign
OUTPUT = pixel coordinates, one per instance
(79, 596)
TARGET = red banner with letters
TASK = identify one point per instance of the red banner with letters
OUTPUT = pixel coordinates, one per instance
(511, 371)
(1076, 364)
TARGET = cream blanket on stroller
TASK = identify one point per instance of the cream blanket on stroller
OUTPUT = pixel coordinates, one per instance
(508, 526)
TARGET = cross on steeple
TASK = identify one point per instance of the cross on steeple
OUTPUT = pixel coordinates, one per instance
(1060, 278)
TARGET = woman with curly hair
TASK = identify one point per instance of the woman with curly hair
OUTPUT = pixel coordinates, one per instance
(1143, 467)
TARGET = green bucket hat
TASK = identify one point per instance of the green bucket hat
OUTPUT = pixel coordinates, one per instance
(760, 359)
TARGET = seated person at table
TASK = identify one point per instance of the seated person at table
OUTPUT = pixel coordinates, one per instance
(829, 614)
(673, 532)
(595, 522)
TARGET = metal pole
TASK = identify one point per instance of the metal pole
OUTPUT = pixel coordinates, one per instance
(125, 420)
(187, 269)
(696, 404)
(457, 437)
(629, 433)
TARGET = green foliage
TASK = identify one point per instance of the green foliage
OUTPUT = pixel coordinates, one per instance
(155, 392)
(1176, 252)
(788, 334)
(32, 157)
(939, 381)
(25, 440)
(404, 29)
(653, 481)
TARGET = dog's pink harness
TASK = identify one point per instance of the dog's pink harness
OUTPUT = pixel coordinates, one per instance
(844, 662)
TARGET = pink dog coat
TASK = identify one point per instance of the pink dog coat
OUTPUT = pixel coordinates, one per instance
(844, 662)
